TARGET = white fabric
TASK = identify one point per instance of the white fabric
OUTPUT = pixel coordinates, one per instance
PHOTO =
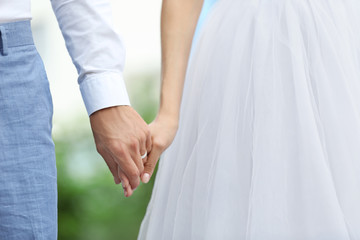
(268, 146)
(96, 49)
(14, 10)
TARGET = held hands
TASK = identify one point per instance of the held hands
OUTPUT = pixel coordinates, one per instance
(122, 137)
(163, 130)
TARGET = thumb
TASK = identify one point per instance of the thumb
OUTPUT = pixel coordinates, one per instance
(150, 165)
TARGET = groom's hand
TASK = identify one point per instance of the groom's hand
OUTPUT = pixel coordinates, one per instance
(121, 138)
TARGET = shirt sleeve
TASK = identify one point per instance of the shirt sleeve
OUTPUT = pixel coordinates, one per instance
(96, 50)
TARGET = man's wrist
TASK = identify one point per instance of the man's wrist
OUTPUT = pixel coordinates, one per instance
(108, 109)
(103, 90)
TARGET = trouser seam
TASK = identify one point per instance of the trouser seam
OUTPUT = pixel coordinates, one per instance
(3, 43)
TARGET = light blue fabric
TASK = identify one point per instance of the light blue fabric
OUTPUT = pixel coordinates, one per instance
(28, 191)
(204, 12)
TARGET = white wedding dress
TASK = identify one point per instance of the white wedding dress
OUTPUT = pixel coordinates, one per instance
(268, 146)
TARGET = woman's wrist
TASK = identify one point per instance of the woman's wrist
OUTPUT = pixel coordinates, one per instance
(171, 118)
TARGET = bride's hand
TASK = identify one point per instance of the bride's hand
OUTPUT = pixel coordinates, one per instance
(163, 130)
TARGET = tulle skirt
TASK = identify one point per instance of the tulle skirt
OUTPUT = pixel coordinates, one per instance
(268, 146)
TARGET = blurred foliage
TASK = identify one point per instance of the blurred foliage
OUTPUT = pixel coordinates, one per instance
(91, 206)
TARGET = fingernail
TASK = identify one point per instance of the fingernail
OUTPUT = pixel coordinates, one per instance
(125, 193)
(146, 178)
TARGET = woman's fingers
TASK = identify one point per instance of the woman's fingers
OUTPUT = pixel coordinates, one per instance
(150, 164)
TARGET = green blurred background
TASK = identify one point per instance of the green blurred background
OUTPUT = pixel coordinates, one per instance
(91, 206)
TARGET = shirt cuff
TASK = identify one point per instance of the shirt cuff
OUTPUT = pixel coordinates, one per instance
(103, 90)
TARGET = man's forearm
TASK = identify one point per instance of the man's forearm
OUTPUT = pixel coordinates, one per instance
(96, 50)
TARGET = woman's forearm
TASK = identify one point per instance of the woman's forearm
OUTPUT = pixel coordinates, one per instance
(178, 23)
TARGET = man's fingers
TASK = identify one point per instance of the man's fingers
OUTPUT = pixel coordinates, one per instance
(125, 183)
(144, 160)
(146, 146)
(150, 165)
(112, 165)
(138, 161)
(134, 151)
(127, 165)
(148, 142)
(129, 168)
(143, 152)
(133, 175)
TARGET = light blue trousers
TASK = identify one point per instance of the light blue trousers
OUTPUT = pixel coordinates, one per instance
(28, 191)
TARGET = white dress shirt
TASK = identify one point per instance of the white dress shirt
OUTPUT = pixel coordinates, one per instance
(95, 48)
